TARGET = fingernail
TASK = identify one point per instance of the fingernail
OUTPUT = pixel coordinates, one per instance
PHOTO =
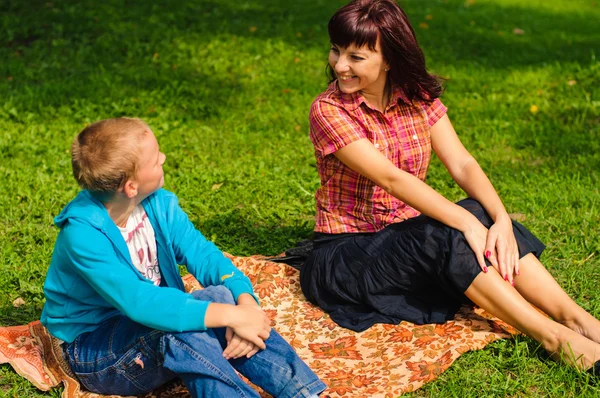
(488, 254)
(518, 272)
(485, 269)
(505, 277)
(512, 283)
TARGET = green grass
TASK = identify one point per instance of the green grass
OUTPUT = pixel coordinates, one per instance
(226, 85)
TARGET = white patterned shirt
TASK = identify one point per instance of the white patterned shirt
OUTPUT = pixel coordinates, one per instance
(140, 239)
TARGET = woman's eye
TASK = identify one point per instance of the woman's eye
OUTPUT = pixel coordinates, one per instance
(357, 58)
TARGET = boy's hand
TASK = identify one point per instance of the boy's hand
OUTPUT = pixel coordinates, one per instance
(250, 323)
(246, 299)
(238, 347)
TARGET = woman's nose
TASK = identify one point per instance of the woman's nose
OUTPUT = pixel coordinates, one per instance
(341, 65)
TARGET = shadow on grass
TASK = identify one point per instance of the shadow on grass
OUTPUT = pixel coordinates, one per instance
(244, 237)
(81, 45)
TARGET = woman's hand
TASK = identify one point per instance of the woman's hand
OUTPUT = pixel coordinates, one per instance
(476, 235)
(502, 249)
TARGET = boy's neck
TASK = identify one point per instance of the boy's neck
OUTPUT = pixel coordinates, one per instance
(119, 210)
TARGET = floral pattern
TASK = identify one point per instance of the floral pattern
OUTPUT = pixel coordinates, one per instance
(383, 361)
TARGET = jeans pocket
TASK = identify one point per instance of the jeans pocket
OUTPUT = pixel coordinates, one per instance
(106, 363)
(143, 366)
(136, 372)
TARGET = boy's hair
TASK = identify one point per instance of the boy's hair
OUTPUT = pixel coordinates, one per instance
(105, 154)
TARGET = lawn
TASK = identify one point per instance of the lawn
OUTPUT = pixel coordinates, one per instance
(226, 86)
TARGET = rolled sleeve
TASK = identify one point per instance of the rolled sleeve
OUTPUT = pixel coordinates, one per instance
(435, 110)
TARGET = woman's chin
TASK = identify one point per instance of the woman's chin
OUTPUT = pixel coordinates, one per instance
(347, 88)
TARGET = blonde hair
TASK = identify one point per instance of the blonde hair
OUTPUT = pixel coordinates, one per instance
(106, 154)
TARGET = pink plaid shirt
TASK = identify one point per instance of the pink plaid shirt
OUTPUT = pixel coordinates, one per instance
(347, 201)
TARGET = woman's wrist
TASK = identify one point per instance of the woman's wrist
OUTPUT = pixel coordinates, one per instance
(500, 217)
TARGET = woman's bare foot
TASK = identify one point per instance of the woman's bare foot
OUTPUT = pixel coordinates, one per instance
(587, 326)
(571, 347)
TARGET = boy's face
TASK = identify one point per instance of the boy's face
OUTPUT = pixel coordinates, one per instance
(150, 176)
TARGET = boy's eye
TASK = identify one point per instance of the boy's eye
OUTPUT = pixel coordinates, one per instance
(334, 50)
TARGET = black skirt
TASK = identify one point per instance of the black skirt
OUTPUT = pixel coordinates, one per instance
(416, 271)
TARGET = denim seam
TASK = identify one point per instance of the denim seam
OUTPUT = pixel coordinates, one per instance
(309, 389)
(208, 364)
(274, 364)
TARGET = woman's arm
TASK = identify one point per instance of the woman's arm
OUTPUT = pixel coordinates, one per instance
(365, 159)
(464, 169)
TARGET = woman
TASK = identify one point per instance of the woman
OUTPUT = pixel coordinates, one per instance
(387, 246)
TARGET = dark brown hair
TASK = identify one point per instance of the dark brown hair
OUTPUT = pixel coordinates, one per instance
(363, 22)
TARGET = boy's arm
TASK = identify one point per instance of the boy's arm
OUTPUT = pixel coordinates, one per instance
(201, 257)
(162, 308)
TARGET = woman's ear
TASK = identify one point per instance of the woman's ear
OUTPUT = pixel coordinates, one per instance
(130, 189)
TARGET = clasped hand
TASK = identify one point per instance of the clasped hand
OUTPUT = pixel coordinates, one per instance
(498, 245)
(248, 332)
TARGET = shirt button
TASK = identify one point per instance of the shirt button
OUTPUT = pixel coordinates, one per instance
(377, 146)
(415, 137)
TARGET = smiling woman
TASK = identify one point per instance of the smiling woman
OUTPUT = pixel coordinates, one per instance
(389, 45)
(389, 248)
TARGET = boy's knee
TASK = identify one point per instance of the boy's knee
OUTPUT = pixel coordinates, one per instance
(215, 294)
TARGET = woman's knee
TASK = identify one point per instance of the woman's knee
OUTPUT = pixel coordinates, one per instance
(215, 294)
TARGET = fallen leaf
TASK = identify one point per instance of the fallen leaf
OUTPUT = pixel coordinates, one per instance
(18, 302)
(10, 78)
(534, 109)
(252, 29)
(298, 34)
(296, 60)
(429, 17)
(572, 82)
(469, 3)
(286, 90)
(297, 128)
(423, 25)
(216, 187)
(155, 56)
(518, 31)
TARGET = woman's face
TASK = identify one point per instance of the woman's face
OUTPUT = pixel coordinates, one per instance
(359, 69)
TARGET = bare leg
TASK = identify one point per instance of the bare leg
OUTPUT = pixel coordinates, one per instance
(538, 287)
(494, 295)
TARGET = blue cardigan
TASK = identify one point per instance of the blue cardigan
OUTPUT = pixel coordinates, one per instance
(91, 277)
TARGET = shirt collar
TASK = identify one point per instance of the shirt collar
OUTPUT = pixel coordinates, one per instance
(353, 100)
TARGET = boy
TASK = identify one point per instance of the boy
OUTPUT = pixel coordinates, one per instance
(115, 297)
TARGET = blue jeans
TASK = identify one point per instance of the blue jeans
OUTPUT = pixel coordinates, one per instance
(125, 358)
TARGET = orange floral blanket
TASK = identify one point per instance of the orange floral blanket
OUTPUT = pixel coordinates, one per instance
(383, 361)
